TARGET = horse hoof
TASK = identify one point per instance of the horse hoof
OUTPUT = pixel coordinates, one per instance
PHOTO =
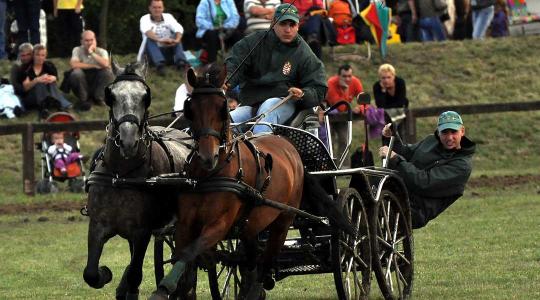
(105, 274)
(269, 283)
(159, 294)
(132, 296)
(99, 279)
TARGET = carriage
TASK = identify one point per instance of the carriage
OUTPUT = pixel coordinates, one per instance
(373, 199)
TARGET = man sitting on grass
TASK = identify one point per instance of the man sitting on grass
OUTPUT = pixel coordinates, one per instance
(436, 169)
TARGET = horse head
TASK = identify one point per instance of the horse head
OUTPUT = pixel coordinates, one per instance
(208, 110)
(128, 98)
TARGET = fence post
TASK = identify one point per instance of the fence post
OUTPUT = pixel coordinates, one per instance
(410, 127)
(28, 159)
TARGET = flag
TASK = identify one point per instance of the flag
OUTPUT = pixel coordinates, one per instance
(377, 16)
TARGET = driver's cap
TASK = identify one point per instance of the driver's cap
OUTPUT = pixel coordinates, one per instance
(286, 12)
(449, 120)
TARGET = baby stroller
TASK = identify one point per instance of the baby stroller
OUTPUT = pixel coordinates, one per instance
(74, 173)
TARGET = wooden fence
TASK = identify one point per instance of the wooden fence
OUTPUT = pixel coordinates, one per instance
(27, 130)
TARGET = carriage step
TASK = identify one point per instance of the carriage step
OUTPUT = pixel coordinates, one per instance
(301, 269)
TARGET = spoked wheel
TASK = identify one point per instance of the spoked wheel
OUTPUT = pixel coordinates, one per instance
(161, 238)
(351, 255)
(224, 275)
(393, 247)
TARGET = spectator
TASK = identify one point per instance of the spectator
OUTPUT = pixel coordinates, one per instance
(90, 72)
(3, 7)
(343, 86)
(216, 25)
(70, 24)
(428, 19)
(162, 38)
(462, 10)
(232, 98)
(341, 13)
(436, 169)
(38, 80)
(62, 153)
(499, 25)
(315, 29)
(27, 16)
(282, 64)
(482, 14)
(24, 59)
(259, 14)
(408, 28)
(390, 92)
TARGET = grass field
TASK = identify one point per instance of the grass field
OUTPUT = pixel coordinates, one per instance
(484, 247)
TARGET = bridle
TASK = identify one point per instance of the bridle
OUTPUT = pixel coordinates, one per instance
(207, 131)
(114, 123)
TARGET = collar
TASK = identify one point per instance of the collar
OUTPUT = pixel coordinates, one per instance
(157, 21)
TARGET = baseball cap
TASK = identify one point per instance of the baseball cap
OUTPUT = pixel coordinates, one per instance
(286, 12)
(449, 120)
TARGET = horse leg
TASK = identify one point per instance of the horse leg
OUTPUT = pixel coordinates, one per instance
(94, 275)
(131, 279)
(188, 249)
(248, 269)
(278, 233)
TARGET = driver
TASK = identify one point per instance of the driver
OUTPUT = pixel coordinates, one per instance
(436, 169)
(281, 64)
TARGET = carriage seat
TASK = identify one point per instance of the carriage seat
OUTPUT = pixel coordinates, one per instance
(304, 119)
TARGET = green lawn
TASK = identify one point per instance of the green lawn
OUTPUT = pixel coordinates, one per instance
(482, 247)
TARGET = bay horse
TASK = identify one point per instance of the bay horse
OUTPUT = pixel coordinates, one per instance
(132, 150)
(269, 164)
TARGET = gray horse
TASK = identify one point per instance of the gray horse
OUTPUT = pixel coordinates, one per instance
(132, 150)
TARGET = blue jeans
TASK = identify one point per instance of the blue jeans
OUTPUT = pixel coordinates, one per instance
(481, 18)
(157, 54)
(2, 26)
(278, 116)
(431, 29)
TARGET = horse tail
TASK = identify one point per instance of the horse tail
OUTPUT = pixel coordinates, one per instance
(317, 199)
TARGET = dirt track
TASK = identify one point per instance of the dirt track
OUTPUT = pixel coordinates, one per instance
(482, 181)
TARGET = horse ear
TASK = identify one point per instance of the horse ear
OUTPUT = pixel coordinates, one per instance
(141, 67)
(191, 77)
(116, 69)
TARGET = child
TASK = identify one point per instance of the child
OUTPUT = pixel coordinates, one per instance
(62, 153)
(499, 25)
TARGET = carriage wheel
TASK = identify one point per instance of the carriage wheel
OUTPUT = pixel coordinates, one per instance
(224, 276)
(164, 237)
(351, 256)
(393, 248)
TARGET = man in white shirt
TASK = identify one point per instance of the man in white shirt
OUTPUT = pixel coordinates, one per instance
(90, 73)
(162, 36)
(259, 14)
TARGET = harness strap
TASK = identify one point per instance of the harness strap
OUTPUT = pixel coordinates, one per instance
(259, 183)
(240, 173)
(159, 140)
(246, 192)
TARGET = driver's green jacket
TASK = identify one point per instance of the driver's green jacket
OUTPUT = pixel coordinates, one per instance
(274, 67)
(434, 176)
